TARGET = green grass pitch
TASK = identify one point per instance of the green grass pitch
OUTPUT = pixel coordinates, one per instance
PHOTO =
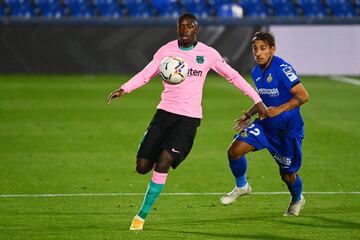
(57, 136)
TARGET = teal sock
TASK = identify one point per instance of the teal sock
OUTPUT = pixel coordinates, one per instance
(152, 193)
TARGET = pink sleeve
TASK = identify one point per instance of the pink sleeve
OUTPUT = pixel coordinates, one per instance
(144, 76)
(226, 71)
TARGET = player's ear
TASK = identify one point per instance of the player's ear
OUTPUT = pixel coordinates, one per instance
(273, 49)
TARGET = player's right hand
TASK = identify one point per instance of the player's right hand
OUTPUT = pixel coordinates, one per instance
(242, 122)
(116, 94)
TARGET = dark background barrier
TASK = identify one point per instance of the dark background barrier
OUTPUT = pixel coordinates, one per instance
(93, 49)
(101, 45)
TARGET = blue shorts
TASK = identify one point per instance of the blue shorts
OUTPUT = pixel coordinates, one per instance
(285, 150)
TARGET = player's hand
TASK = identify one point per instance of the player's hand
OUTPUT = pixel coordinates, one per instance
(261, 109)
(116, 94)
(242, 122)
(274, 111)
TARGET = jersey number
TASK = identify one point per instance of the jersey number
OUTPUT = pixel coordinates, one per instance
(255, 131)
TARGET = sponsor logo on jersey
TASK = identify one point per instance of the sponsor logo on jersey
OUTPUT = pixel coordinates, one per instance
(269, 78)
(289, 72)
(194, 72)
(282, 160)
(272, 92)
(200, 59)
(257, 79)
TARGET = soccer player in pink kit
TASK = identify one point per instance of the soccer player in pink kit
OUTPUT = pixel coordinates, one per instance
(170, 135)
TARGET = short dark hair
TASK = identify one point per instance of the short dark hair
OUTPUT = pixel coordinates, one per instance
(189, 16)
(264, 36)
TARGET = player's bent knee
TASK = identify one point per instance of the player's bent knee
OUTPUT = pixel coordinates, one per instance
(143, 166)
(288, 178)
(239, 149)
(141, 170)
(234, 153)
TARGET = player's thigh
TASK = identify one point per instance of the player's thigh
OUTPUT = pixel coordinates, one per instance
(239, 148)
(150, 146)
(251, 138)
(179, 140)
(288, 155)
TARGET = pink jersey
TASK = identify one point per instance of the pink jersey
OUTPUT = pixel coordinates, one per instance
(185, 98)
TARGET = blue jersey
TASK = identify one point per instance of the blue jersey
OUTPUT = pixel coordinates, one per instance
(274, 86)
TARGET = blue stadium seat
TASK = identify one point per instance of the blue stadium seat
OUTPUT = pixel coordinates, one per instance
(313, 8)
(160, 4)
(170, 11)
(193, 4)
(2, 11)
(229, 11)
(278, 3)
(109, 8)
(344, 11)
(104, 3)
(257, 11)
(305, 3)
(75, 2)
(46, 2)
(80, 9)
(250, 4)
(215, 3)
(254, 8)
(286, 11)
(17, 3)
(143, 11)
(198, 8)
(167, 8)
(134, 3)
(357, 7)
(283, 8)
(52, 10)
(138, 8)
(341, 8)
(23, 10)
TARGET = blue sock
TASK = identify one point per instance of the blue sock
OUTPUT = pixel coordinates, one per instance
(295, 189)
(238, 168)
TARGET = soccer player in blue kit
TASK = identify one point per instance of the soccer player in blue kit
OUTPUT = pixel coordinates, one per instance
(281, 133)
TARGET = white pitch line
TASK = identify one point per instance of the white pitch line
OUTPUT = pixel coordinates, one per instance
(346, 80)
(162, 194)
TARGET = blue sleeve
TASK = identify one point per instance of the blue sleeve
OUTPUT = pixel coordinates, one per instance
(288, 76)
(253, 74)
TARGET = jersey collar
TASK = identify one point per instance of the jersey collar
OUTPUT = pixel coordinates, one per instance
(187, 48)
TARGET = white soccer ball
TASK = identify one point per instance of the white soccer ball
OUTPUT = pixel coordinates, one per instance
(173, 70)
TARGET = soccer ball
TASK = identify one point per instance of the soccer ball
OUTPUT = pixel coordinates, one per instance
(173, 70)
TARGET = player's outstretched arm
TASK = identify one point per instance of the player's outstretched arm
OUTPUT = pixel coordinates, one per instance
(301, 96)
(116, 94)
